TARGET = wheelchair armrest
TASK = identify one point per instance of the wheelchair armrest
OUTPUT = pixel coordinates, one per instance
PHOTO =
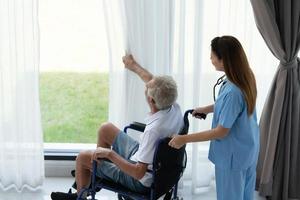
(135, 126)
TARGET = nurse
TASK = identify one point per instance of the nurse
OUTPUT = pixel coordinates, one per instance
(234, 135)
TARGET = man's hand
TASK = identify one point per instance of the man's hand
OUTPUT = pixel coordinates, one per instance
(132, 65)
(129, 62)
(177, 141)
(101, 152)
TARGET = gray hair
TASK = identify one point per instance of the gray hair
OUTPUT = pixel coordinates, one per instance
(163, 91)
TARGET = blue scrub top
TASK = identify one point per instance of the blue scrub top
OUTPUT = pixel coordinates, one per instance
(239, 149)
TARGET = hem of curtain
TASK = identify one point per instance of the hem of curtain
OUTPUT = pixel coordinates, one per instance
(23, 187)
(264, 189)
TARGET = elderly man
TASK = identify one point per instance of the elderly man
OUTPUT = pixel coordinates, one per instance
(130, 160)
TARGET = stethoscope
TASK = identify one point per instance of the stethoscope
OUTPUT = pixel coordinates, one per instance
(219, 81)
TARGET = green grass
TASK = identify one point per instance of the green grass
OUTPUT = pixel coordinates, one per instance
(73, 105)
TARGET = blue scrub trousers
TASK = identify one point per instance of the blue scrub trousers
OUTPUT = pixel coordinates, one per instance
(235, 184)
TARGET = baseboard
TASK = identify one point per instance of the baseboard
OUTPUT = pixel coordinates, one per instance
(59, 168)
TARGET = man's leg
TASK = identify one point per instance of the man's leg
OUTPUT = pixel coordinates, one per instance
(83, 169)
(124, 146)
(106, 136)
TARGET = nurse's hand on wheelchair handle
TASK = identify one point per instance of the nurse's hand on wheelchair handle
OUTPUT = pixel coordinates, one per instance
(177, 141)
(101, 153)
(199, 113)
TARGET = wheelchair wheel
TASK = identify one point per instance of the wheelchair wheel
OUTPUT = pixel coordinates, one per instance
(177, 198)
(121, 197)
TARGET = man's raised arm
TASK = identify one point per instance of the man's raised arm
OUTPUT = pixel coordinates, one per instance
(133, 66)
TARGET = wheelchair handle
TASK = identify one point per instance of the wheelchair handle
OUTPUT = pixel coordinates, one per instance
(135, 126)
(186, 125)
(199, 115)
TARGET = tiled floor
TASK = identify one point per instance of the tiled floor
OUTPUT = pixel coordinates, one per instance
(63, 184)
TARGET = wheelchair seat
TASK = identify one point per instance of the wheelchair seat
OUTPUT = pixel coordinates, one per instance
(168, 167)
(122, 191)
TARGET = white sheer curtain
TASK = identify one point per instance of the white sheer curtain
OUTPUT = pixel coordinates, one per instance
(21, 143)
(144, 31)
(164, 37)
(173, 37)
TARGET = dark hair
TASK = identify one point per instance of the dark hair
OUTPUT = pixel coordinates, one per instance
(236, 67)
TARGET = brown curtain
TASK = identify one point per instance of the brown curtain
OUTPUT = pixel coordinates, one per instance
(278, 169)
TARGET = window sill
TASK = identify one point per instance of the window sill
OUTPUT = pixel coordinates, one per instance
(64, 151)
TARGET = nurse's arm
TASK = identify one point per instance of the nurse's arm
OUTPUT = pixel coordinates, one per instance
(205, 109)
(215, 133)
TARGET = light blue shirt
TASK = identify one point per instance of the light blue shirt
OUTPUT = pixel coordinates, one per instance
(239, 149)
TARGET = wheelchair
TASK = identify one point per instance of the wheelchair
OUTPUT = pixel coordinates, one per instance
(168, 167)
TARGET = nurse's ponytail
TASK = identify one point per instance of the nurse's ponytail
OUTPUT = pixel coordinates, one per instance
(236, 67)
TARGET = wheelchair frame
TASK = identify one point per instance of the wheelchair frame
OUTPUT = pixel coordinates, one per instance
(124, 193)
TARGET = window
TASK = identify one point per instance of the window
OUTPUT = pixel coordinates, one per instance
(73, 70)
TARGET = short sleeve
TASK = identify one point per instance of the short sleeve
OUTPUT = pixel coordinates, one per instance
(147, 147)
(232, 106)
